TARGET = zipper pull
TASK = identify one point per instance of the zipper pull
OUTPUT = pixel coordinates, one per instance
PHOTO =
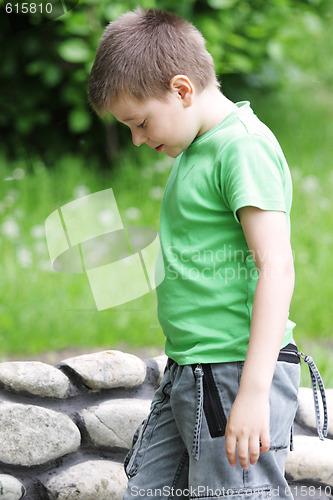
(302, 355)
(198, 371)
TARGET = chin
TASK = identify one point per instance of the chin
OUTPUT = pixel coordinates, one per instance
(173, 152)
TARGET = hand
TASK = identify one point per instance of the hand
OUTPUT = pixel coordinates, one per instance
(247, 429)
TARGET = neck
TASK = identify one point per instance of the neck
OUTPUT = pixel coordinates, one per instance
(212, 108)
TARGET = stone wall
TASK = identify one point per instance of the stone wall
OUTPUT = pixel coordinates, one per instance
(64, 430)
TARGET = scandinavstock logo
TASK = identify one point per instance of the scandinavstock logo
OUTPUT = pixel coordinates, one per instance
(87, 235)
(30, 14)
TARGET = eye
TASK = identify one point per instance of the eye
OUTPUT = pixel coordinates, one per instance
(143, 124)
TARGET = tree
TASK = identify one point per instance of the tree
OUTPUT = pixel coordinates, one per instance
(47, 57)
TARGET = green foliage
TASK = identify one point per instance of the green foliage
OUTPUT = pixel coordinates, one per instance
(46, 63)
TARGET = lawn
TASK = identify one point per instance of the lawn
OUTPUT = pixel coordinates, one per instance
(42, 309)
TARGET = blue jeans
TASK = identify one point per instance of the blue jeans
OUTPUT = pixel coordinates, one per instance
(179, 450)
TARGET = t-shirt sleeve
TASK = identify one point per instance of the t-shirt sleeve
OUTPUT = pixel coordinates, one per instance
(252, 175)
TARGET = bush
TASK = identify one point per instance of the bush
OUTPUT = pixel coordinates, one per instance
(47, 60)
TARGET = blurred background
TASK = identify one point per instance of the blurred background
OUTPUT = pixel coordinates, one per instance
(53, 149)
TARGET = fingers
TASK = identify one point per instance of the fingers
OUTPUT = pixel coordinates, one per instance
(230, 448)
(247, 449)
(254, 450)
(243, 453)
(265, 442)
(247, 434)
(240, 448)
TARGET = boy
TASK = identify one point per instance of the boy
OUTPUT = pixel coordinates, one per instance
(220, 422)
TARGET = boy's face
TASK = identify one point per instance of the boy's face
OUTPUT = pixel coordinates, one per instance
(166, 124)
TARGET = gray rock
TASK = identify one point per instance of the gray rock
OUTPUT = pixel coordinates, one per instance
(10, 488)
(311, 460)
(161, 363)
(34, 377)
(306, 413)
(108, 369)
(91, 480)
(113, 423)
(31, 435)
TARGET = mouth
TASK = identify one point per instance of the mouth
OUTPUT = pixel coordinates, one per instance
(159, 148)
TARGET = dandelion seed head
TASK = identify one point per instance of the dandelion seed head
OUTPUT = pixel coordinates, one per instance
(133, 213)
(10, 229)
(37, 232)
(40, 248)
(81, 190)
(147, 172)
(24, 257)
(156, 192)
(9, 201)
(106, 217)
(18, 173)
(310, 184)
(164, 165)
(44, 265)
(296, 173)
(325, 204)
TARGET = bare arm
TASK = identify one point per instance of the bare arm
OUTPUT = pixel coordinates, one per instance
(267, 237)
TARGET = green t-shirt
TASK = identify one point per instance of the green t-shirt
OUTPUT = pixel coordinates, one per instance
(205, 300)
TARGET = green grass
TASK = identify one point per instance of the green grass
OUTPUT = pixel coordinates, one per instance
(42, 309)
(304, 135)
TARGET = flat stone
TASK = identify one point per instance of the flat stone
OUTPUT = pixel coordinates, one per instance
(31, 435)
(108, 369)
(311, 460)
(306, 416)
(114, 422)
(34, 377)
(91, 480)
(10, 488)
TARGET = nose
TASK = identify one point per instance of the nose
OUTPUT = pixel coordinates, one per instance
(138, 137)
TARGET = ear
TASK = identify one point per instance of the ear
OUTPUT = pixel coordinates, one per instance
(182, 86)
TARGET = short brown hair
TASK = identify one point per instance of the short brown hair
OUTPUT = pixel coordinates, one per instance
(141, 51)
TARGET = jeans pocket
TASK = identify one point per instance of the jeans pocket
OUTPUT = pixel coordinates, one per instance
(283, 403)
(144, 432)
(215, 416)
(130, 462)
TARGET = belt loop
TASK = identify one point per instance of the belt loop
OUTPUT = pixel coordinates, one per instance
(198, 372)
(317, 380)
(170, 362)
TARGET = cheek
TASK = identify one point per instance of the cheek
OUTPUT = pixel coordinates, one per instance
(161, 131)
